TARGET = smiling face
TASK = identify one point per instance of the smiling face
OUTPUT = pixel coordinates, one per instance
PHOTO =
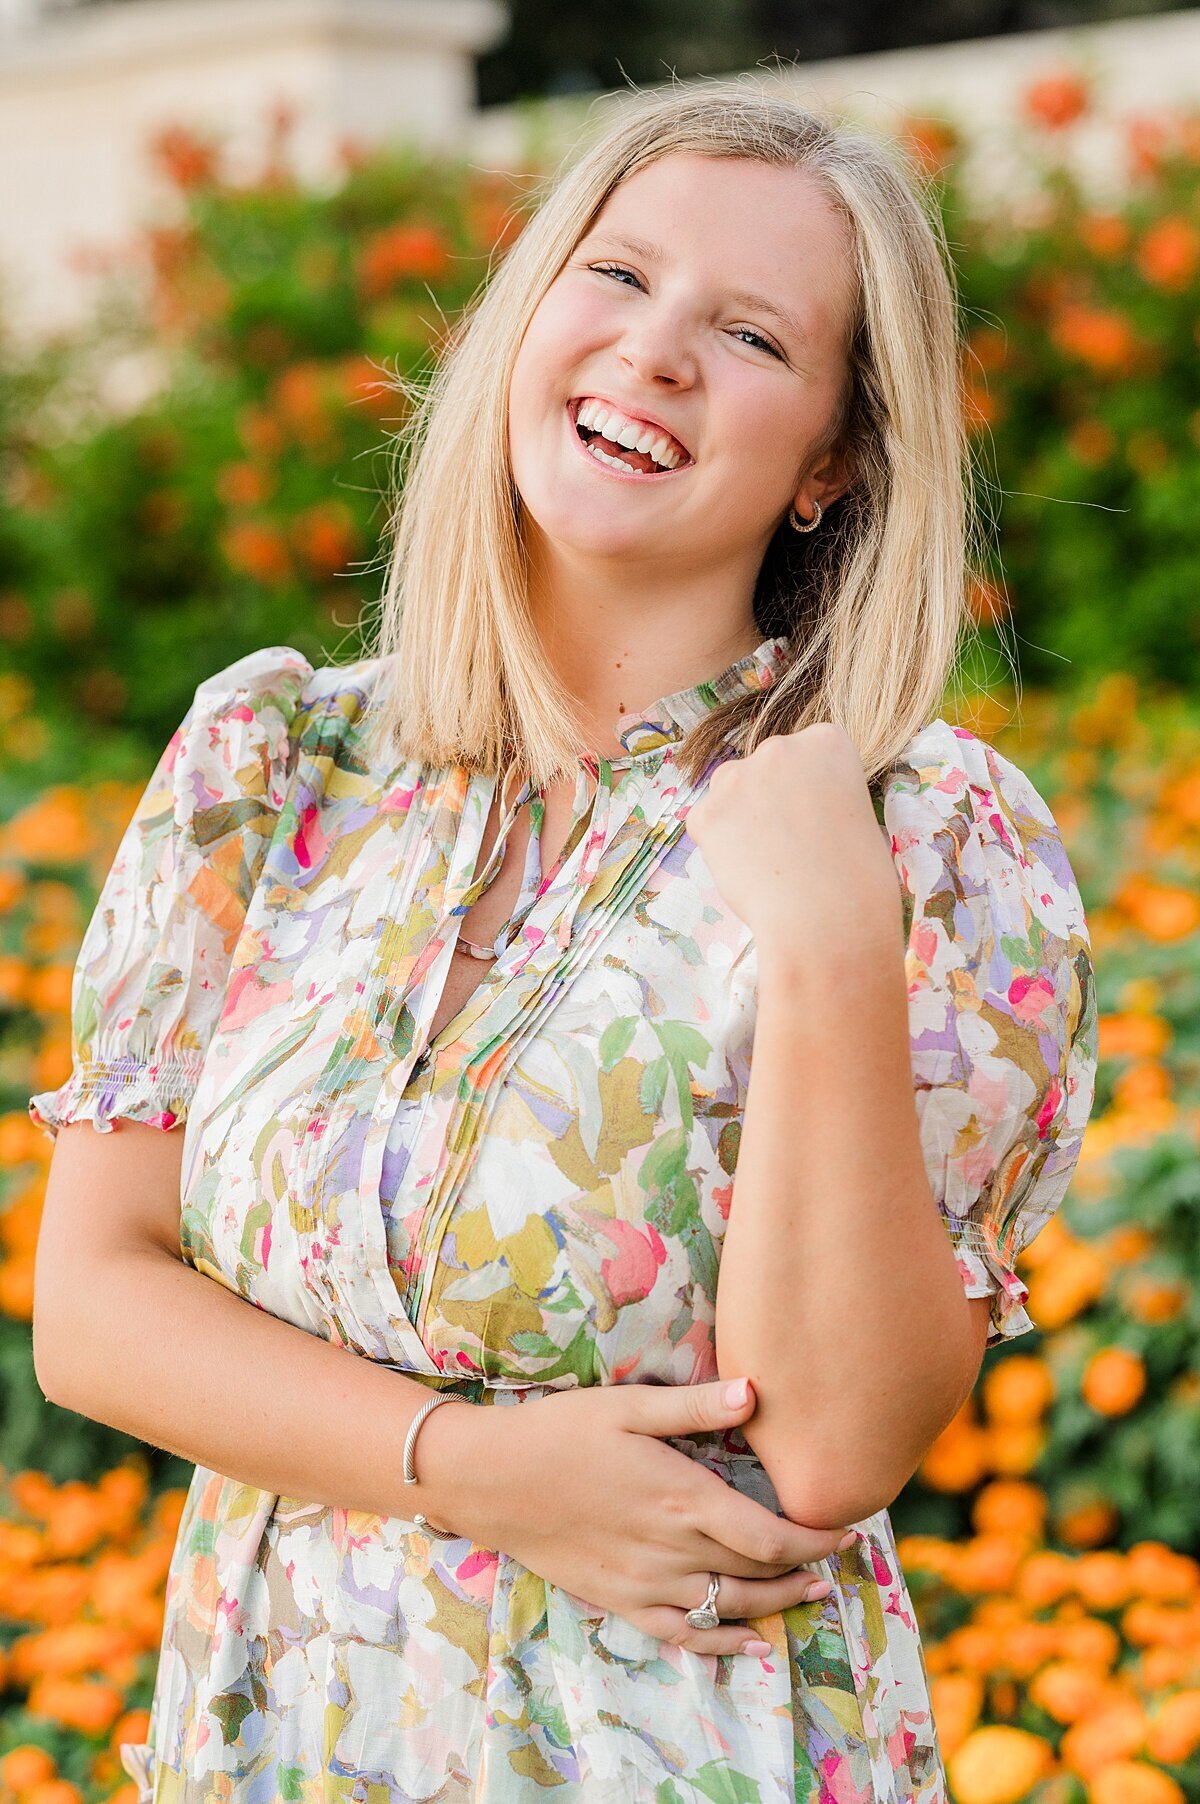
(702, 322)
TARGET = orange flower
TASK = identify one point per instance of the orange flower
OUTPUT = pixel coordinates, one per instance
(1068, 1690)
(1088, 1640)
(1160, 1572)
(1133, 1036)
(1015, 1447)
(54, 1791)
(930, 142)
(957, 1459)
(1169, 253)
(1162, 911)
(1133, 1782)
(999, 1765)
(16, 1288)
(1105, 234)
(1017, 1389)
(1009, 1507)
(25, 1766)
(980, 408)
(1045, 1578)
(245, 485)
(990, 1563)
(1148, 140)
(364, 384)
(1100, 337)
(1057, 100)
(1155, 1300)
(1174, 1733)
(1060, 1291)
(1103, 1580)
(134, 1726)
(408, 252)
(186, 160)
(1128, 1242)
(53, 829)
(257, 551)
(987, 601)
(90, 1705)
(957, 1699)
(326, 537)
(1088, 1524)
(1113, 1381)
(1116, 1732)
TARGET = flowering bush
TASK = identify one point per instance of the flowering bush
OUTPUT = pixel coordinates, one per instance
(1044, 1534)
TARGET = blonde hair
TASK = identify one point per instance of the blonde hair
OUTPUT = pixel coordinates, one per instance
(872, 605)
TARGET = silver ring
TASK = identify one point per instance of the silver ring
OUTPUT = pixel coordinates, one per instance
(705, 1617)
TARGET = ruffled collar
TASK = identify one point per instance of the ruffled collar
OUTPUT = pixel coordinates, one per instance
(671, 716)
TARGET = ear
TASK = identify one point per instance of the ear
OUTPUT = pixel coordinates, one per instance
(828, 479)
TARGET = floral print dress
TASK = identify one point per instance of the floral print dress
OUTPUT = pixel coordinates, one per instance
(534, 1198)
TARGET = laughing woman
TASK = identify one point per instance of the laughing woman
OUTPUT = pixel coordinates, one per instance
(621, 1004)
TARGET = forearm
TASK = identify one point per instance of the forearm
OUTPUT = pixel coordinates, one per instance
(839, 1294)
(170, 1356)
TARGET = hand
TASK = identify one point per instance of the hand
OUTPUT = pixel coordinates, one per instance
(791, 838)
(579, 1486)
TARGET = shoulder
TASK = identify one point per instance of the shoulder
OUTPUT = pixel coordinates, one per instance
(272, 704)
(967, 822)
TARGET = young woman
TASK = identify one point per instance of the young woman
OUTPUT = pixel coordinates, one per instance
(454, 965)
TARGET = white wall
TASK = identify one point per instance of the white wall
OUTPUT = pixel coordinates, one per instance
(81, 94)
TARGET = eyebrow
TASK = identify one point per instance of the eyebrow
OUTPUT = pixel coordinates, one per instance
(642, 247)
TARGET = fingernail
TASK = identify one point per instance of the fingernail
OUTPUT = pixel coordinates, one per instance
(735, 1393)
(822, 1588)
(761, 1648)
(847, 1540)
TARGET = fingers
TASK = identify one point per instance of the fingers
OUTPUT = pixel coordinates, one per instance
(747, 1598)
(686, 1409)
(745, 1527)
(753, 1597)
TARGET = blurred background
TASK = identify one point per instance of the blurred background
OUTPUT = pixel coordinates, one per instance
(227, 226)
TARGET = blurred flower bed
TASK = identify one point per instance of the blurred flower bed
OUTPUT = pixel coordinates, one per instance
(1048, 1537)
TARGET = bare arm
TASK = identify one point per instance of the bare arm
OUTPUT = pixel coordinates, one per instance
(126, 1332)
(839, 1293)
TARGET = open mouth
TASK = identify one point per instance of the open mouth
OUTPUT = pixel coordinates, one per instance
(624, 444)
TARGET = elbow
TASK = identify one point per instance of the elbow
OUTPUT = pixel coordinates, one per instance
(45, 1364)
(58, 1352)
(835, 1505)
(820, 1490)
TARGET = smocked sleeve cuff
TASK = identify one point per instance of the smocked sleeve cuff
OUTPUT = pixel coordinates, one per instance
(98, 1091)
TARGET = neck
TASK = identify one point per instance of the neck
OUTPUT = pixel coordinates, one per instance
(619, 639)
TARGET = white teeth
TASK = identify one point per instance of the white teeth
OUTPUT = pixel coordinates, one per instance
(633, 435)
(618, 463)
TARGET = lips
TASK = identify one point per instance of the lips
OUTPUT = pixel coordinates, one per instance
(632, 413)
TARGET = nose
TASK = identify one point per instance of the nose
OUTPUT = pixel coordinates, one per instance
(656, 350)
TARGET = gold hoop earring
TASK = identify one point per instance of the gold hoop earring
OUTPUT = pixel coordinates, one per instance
(798, 525)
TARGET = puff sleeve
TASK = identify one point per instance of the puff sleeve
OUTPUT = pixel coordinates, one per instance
(149, 981)
(1002, 1004)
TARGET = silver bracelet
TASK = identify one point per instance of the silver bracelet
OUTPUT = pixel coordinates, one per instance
(410, 1475)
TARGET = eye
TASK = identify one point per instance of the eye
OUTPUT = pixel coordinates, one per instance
(605, 268)
(764, 342)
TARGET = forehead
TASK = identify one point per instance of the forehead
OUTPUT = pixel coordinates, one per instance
(755, 227)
